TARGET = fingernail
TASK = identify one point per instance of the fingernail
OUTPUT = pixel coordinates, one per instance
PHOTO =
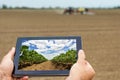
(13, 48)
(80, 51)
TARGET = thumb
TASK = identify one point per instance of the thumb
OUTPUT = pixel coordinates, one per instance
(11, 53)
(81, 56)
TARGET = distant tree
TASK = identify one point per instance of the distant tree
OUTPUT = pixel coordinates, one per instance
(118, 7)
(50, 8)
(10, 7)
(42, 8)
(24, 7)
(57, 7)
(4, 6)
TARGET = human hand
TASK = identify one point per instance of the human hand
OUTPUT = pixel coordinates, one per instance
(81, 70)
(7, 66)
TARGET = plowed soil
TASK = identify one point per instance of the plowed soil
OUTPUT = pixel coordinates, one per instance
(100, 35)
(47, 65)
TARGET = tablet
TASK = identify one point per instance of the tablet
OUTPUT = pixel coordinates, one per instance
(45, 56)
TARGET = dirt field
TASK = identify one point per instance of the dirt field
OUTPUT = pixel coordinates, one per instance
(100, 35)
(47, 65)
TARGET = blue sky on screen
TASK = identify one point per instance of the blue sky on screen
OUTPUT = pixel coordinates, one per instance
(51, 48)
(61, 3)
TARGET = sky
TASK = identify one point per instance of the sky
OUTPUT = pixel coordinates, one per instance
(61, 3)
(51, 48)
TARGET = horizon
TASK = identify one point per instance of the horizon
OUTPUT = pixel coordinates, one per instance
(60, 3)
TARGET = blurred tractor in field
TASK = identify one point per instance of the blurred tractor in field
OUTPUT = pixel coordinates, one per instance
(76, 11)
(68, 11)
(82, 10)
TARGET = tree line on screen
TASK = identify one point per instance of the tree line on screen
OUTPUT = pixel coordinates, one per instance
(30, 57)
(65, 59)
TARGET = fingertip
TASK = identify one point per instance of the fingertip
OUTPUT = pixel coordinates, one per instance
(24, 78)
(13, 48)
(81, 51)
(81, 54)
(11, 52)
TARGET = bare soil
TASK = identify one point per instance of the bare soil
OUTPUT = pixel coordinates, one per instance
(100, 35)
(47, 65)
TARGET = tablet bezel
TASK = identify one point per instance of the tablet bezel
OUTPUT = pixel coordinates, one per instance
(19, 73)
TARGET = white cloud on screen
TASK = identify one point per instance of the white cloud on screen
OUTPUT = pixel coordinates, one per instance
(51, 48)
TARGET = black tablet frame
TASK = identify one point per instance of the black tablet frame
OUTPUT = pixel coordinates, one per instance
(19, 73)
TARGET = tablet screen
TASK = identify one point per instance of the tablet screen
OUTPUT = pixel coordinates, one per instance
(46, 53)
(49, 54)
